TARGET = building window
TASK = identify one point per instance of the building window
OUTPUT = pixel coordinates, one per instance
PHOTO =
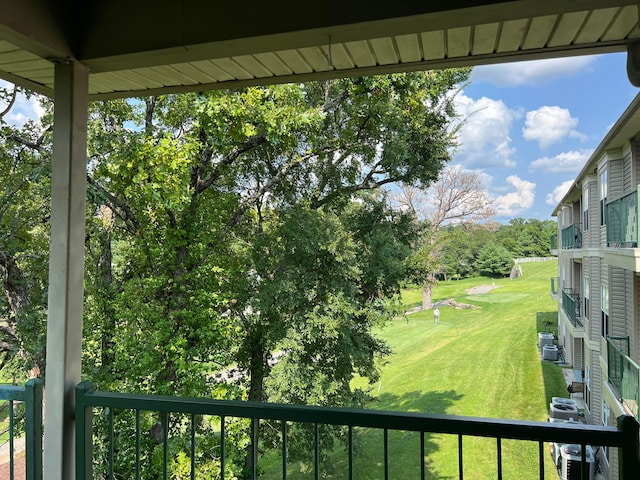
(606, 413)
(587, 389)
(585, 209)
(585, 294)
(604, 306)
(603, 196)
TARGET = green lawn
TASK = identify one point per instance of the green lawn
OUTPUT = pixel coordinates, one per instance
(482, 363)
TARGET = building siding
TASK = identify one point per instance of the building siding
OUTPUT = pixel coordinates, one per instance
(616, 179)
(628, 182)
(614, 267)
(589, 236)
(635, 154)
(617, 303)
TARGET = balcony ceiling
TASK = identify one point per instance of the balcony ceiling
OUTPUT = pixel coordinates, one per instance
(142, 47)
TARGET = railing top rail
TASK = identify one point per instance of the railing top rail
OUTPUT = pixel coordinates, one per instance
(621, 197)
(570, 293)
(627, 357)
(573, 225)
(409, 421)
(11, 392)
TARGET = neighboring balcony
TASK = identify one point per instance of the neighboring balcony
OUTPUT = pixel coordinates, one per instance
(572, 236)
(624, 373)
(571, 306)
(555, 281)
(553, 241)
(622, 221)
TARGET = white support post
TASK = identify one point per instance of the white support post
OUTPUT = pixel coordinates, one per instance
(66, 267)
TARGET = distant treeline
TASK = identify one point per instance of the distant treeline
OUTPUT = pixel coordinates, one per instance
(490, 249)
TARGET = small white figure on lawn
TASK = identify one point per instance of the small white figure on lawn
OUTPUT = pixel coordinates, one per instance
(436, 315)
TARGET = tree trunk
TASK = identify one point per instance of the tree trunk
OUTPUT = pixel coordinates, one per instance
(427, 290)
(105, 277)
(257, 373)
(427, 303)
(15, 289)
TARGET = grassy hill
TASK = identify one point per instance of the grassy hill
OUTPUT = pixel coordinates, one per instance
(480, 362)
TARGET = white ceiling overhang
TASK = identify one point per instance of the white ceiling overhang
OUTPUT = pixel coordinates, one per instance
(145, 47)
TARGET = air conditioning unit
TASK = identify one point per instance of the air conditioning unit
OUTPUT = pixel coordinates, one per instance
(563, 411)
(550, 352)
(567, 458)
(564, 401)
(545, 338)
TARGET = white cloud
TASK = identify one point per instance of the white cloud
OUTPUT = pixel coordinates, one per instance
(566, 162)
(515, 202)
(23, 109)
(483, 137)
(533, 72)
(549, 125)
(558, 193)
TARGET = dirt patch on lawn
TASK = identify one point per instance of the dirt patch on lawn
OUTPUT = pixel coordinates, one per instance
(480, 289)
(452, 303)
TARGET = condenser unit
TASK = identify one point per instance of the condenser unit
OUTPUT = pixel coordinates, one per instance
(567, 458)
(563, 411)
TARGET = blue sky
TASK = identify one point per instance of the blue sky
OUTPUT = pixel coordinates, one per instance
(531, 126)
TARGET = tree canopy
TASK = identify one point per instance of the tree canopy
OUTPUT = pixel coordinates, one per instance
(239, 244)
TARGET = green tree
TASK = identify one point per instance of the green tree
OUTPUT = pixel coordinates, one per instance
(527, 238)
(494, 260)
(24, 213)
(460, 248)
(229, 228)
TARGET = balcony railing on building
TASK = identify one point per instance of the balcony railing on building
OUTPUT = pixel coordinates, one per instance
(624, 373)
(555, 287)
(571, 306)
(622, 221)
(572, 236)
(553, 241)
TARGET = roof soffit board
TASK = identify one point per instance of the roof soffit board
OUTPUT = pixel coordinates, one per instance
(153, 35)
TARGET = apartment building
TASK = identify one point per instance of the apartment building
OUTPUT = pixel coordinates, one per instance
(598, 283)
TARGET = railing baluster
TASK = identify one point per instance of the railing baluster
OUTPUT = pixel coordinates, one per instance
(541, 459)
(137, 444)
(499, 456)
(350, 452)
(422, 461)
(316, 453)
(110, 454)
(386, 454)
(165, 444)
(460, 466)
(284, 450)
(254, 448)
(222, 445)
(583, 462)
(193, 446)
(11, 458)
(33, 429)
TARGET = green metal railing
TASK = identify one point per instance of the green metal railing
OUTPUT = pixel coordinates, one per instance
(571, 306)
(571, 236)
(554, 286)
(173, 411)
(622, 221)
(624, 373)
(30, 395)
(554, 241)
